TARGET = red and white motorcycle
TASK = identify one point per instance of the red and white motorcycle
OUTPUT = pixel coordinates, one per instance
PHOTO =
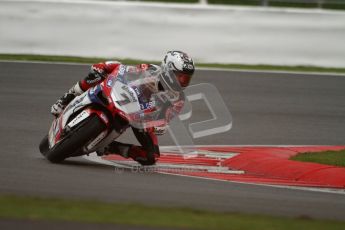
(101, 114)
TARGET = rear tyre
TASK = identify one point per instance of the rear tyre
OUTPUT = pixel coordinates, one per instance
(77, 138)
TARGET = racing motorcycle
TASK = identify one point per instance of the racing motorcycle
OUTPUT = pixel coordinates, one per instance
(94, 119)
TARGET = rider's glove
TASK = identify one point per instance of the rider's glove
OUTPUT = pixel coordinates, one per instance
(61, 104)
(57, 108)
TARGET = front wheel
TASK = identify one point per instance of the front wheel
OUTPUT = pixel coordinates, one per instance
(75, 140)
(44, 145)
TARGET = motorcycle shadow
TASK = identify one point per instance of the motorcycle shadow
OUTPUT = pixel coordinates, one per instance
(82, 163)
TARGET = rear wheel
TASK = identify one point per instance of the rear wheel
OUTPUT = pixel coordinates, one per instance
(76, 139)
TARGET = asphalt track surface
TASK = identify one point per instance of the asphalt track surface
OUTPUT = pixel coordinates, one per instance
(267, 109)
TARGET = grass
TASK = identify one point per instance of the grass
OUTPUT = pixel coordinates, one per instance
(171, 1)
(14, 207)
(327, 4)
(275, 68)
(286, 3)
(336, 158)
(51, 58)
(89, 60)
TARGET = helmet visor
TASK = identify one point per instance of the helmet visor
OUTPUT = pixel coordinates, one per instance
(183, 78)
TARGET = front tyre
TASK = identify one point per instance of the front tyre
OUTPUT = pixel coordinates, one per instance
(76, 139)
(44, 145)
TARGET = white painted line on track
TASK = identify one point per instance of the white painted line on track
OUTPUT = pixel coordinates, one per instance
(329, 74)
(162, 166)
(309, 189)
(278, 146)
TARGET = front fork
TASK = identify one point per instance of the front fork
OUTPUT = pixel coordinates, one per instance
(103, 137)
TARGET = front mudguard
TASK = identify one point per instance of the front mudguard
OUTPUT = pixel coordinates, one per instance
(73, 114)
(84, 132)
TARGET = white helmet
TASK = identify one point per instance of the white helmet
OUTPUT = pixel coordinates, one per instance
(181, 64)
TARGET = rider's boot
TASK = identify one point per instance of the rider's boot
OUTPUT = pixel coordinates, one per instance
(115, 147)
(137, 153)
(61, 104)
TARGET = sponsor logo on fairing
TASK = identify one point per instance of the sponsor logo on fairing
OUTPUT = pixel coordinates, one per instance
(96, 140)
(125, 88)
(147, 105)
(74, 103)
(136, 90)
(81, 116)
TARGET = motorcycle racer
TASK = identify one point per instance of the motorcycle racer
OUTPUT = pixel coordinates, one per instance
(146, 154)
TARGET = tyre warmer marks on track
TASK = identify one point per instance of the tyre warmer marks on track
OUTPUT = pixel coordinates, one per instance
(248, 164)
